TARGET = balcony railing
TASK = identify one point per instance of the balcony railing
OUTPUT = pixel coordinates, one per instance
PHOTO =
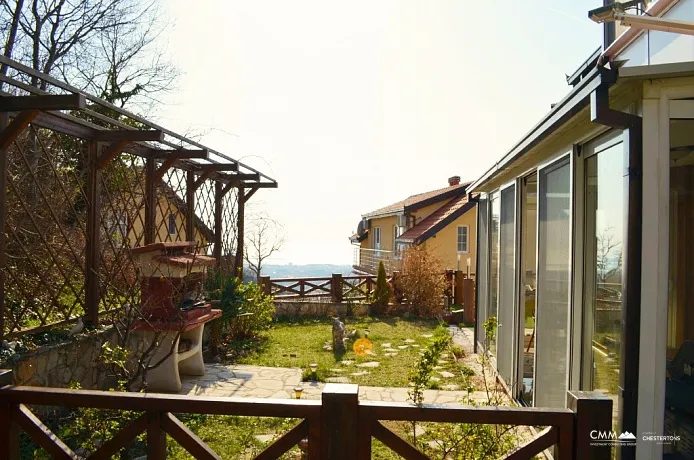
(338, 426)
(367, 260)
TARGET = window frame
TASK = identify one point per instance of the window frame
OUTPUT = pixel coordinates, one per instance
(172, 220)
(467, 239)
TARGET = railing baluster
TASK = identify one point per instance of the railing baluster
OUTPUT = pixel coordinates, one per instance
(156, 437)
(364, 433)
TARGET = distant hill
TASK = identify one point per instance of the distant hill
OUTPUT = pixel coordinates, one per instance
(305, 271)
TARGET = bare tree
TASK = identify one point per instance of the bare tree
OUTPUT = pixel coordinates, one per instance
(608, 248)
(264, 237)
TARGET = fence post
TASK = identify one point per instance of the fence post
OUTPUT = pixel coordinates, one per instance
(156, 437)
(240, 210)
(4, 121)
(449, 288)
(218, 194)
(369, 286)
(9, 431)
(396, 291)
(469, 300)
(593, 413)
(339, 421)
(93, 246)
(458, 288)
(336, 287)
(266, 284)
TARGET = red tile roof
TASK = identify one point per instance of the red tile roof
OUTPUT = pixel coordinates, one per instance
(437, 220)
(415, 200)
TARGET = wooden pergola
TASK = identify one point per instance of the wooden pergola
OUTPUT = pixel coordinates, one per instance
(110, 131)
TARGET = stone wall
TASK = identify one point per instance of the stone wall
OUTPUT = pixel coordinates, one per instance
(299, 308)
(75, 361)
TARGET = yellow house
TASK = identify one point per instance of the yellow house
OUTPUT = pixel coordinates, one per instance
(444, 219)
(169, 221)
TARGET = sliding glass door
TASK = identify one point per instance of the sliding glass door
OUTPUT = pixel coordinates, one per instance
(482, 264)
(507, 282)
(605, 210)
(553, 293)
(527, 286)
(493, 306)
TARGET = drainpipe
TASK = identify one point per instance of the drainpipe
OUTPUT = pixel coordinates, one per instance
(601, 112)
(476, 199)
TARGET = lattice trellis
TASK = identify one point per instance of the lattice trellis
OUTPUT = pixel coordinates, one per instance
(46, 229)
(87, 181)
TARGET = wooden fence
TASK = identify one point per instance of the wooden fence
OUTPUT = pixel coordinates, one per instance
(338, 426)
(460, 289)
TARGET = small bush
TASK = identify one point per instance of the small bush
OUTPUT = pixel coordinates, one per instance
(422, 281)
(383, 292)
(255, 313)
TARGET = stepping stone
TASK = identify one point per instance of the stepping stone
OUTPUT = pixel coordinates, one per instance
(337, 380)
(386, 345)
(415, 346)
(390, 350)
(358, 374)
(450, 387)
(337, 371)
(436, 368)
(409, 341)
(369, 364)
(402, 347)
(264, 437)
(443, 361)
(435, 379)
(446, 374)
(427, 336)
(347, 362)
(394, 353)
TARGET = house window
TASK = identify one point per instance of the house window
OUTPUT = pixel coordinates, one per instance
(172, 224)
(396, 234)
(463, 232)
(377, 238)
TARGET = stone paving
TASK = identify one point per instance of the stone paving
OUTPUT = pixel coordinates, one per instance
(277, 382)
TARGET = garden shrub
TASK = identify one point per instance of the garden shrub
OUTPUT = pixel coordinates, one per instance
(383, 292)
(422, 281)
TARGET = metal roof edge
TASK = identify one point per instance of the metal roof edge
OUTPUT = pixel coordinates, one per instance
(563, 111)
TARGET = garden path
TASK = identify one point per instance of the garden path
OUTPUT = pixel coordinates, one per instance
(278, 382)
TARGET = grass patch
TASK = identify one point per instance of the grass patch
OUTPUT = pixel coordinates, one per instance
(299, 343)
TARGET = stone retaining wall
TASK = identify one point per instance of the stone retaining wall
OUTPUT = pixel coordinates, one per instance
(77, 360)
(299, 308)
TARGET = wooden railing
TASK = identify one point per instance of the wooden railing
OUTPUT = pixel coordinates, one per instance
(337, 287)
(338, 426)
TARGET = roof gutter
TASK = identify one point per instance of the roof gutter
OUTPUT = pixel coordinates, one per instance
(563, 111)
(631, 285)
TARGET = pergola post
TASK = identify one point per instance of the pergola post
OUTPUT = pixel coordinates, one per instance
(238, 260)
(150, 202)
(93, 242)
(4, 121)
(190, 206)
(218, 195)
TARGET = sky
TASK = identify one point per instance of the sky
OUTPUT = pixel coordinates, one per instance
(352, 106)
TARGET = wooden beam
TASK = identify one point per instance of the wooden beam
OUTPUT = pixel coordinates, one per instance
(203, 177)
(40, 433)
(161, 170)
(93, 243)
(260, 185)
(187, 439)
(286, 442)
(395, 442)
(190, 206)
(150, 201)
(243, 176)
(250, 193)
(47, 102)
(545, 439)
(131, 135)
(218, 211)
(16, 127)
(111, 152)
(227, 188)
(180, 154)
(123, 438)
(238, 257)
(215, 167)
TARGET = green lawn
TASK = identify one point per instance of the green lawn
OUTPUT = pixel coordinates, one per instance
(300, 343)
